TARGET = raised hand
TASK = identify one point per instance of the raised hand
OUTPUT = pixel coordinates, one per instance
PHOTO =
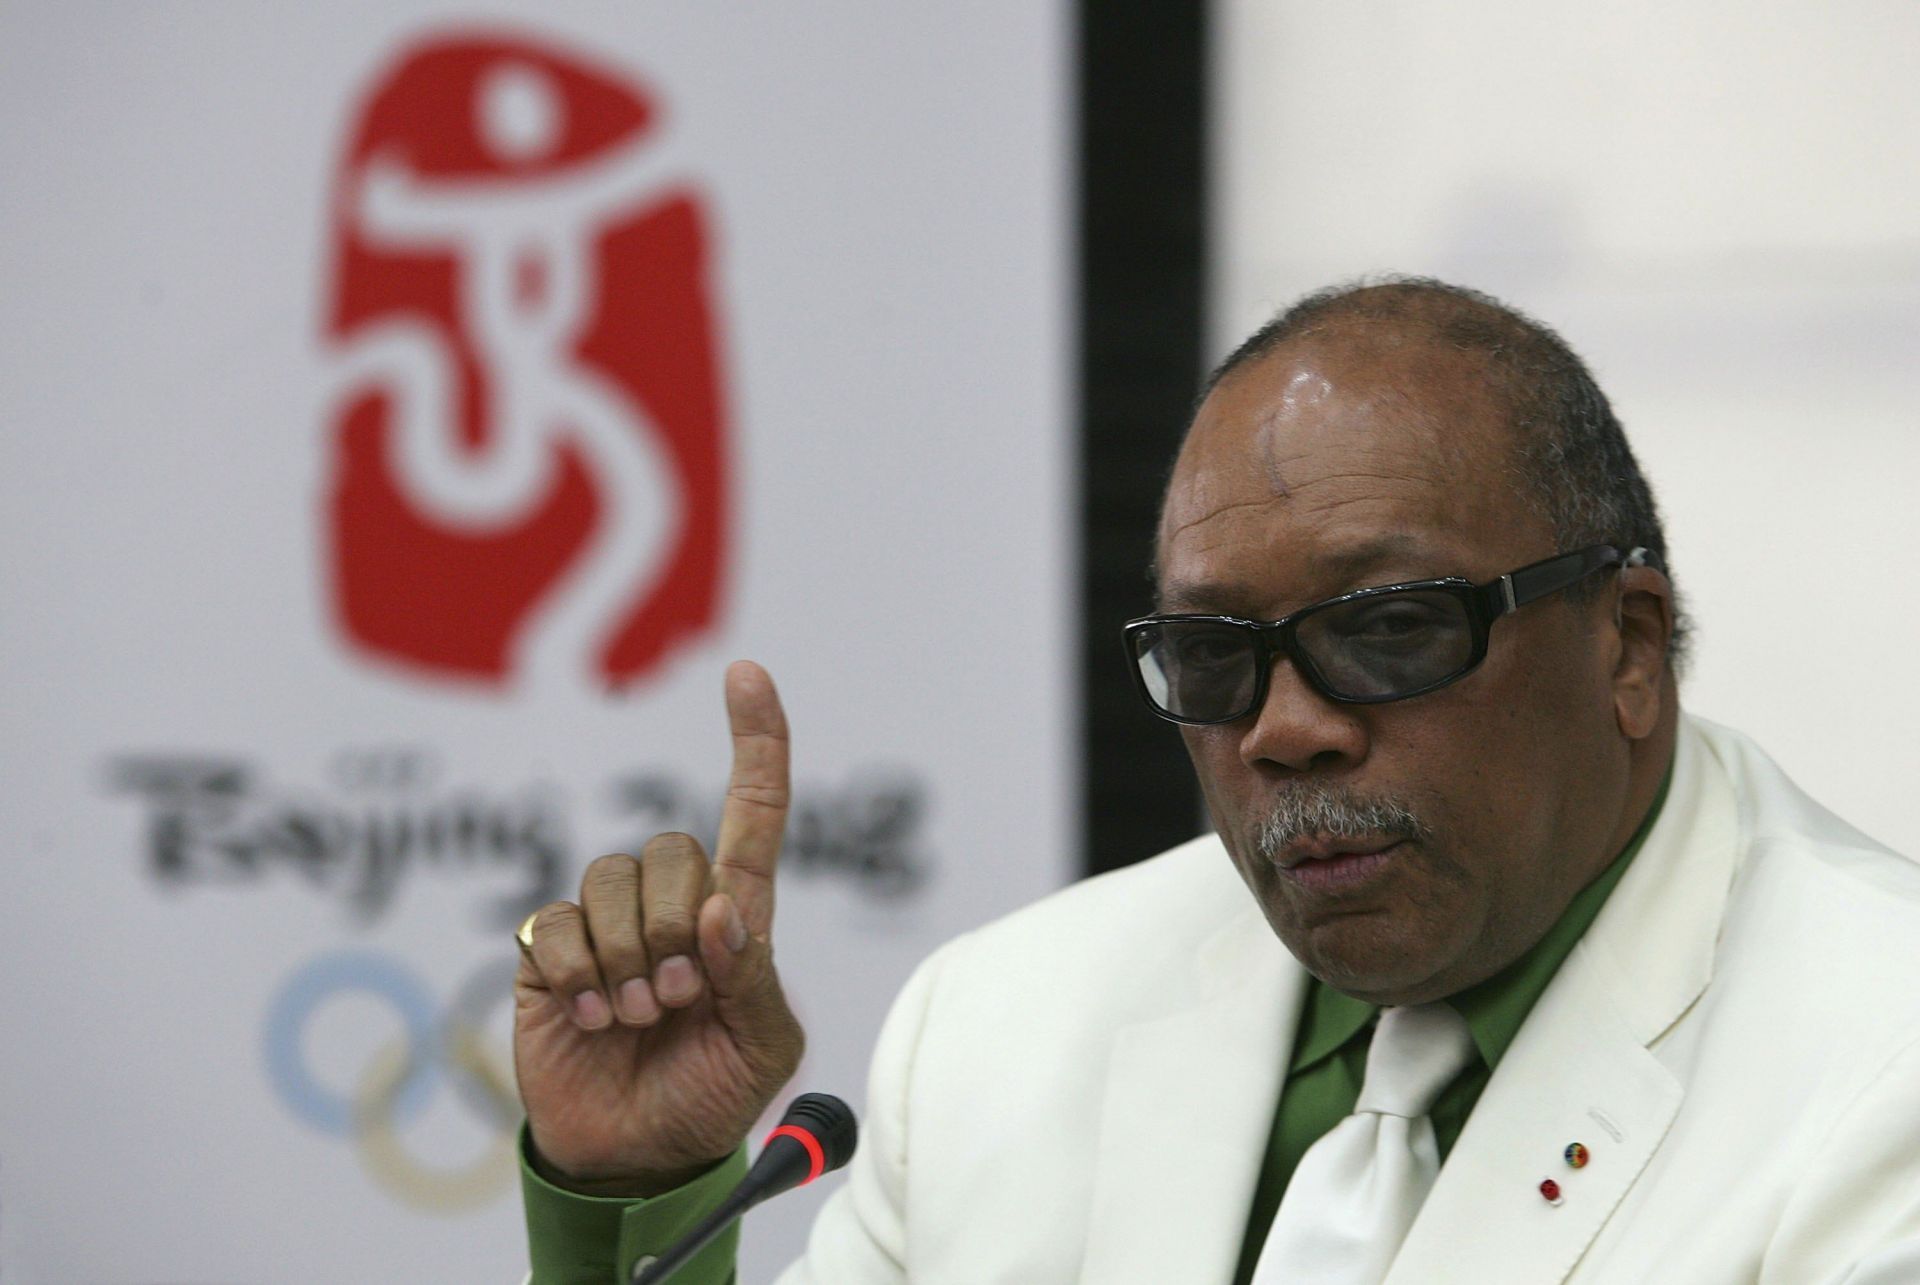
(650, 1030)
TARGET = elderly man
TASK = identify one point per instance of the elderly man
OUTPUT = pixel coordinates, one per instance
(1540, 980)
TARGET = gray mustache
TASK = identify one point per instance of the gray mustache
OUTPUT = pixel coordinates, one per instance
(1326, 812)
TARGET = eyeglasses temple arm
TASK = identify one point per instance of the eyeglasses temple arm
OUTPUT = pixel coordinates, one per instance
(1518, 588)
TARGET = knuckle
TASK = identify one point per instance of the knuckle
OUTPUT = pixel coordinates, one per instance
(618, 944)
(613, 870)
(672, 921)
(612, 896)
(570, 976)
(555, 919)
(673, 846)
(772, 797)
(560, 944)
(572, 980)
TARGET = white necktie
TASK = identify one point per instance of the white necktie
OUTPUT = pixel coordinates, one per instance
(1356, 1191)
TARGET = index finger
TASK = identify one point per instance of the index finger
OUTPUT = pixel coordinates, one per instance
(754, 816)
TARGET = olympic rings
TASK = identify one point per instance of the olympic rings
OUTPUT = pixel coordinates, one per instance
(302, 996)
(399, 1080)
(438, 1190)
(486, 1086)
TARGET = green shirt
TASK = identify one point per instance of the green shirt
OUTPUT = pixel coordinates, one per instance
(589, 1240)
(595, 1240)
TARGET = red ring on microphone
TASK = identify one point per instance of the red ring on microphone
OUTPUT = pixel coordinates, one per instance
(807, 1140)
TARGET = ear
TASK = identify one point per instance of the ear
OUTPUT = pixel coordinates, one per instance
(1643, 618)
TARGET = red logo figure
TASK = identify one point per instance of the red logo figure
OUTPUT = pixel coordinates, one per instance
(528, 466)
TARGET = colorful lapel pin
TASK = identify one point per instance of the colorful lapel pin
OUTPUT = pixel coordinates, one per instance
(1576, 1156)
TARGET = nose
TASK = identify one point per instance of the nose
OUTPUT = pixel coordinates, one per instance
(1299, 730)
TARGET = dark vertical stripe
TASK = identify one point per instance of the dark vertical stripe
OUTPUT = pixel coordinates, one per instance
(1143, 206)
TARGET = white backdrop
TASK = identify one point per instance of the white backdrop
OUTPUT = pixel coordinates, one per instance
(1715, 204)
(283, 766)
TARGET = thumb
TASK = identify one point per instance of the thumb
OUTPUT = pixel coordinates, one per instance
(746, 989)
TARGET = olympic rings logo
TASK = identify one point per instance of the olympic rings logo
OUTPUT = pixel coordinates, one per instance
(398, 1082)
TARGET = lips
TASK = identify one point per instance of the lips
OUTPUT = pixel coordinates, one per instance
(1340, 868)
(1316, 848)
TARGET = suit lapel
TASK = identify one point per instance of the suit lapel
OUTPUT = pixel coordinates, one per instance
(1188, 1105)
(1582, 1069)
(1575, 1074)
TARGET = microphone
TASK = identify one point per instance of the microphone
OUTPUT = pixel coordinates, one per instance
(817, 1135)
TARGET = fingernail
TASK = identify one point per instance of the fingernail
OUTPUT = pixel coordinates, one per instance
(735, 929)
(675, 980)
(637, 1004)
(590, 1010)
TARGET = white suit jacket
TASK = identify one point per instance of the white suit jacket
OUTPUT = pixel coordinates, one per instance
(1082, 1092)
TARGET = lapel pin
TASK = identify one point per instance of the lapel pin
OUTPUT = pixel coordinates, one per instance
(1550, 1192)
(1578, 1155)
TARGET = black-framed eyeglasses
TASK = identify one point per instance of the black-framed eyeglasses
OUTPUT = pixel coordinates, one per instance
(1361, 648)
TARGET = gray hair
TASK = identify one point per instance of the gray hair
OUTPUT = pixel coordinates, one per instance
(1575, 466)
(1324, 811)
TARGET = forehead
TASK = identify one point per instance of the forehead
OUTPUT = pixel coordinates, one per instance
(1324, 460)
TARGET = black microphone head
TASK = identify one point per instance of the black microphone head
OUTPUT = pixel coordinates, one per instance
(831, 1123)
(817, 1135)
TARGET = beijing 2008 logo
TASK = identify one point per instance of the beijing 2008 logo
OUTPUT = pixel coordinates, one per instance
(528, 456)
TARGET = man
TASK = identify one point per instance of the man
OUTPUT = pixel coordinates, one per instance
(1549, 981)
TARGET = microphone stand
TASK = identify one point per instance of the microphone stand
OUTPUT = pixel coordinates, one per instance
(816, 1136)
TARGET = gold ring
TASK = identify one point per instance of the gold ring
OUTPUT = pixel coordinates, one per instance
(525, 934)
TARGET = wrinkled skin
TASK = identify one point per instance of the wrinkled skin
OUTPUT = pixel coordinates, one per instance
(1360, 457)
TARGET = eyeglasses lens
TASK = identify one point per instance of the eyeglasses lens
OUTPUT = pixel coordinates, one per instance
(1197, 669)
(1369, 649)
(1388, 645)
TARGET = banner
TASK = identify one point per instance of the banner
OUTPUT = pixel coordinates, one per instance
(410, 411)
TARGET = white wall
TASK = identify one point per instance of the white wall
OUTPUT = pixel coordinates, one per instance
(1716, 205)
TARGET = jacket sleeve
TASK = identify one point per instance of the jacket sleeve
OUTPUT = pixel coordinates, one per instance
(1854, 1217)
(862, 1235)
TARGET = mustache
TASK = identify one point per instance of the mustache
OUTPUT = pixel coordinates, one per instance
(1322, 811)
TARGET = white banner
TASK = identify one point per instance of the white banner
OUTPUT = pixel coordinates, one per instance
(408, 412)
